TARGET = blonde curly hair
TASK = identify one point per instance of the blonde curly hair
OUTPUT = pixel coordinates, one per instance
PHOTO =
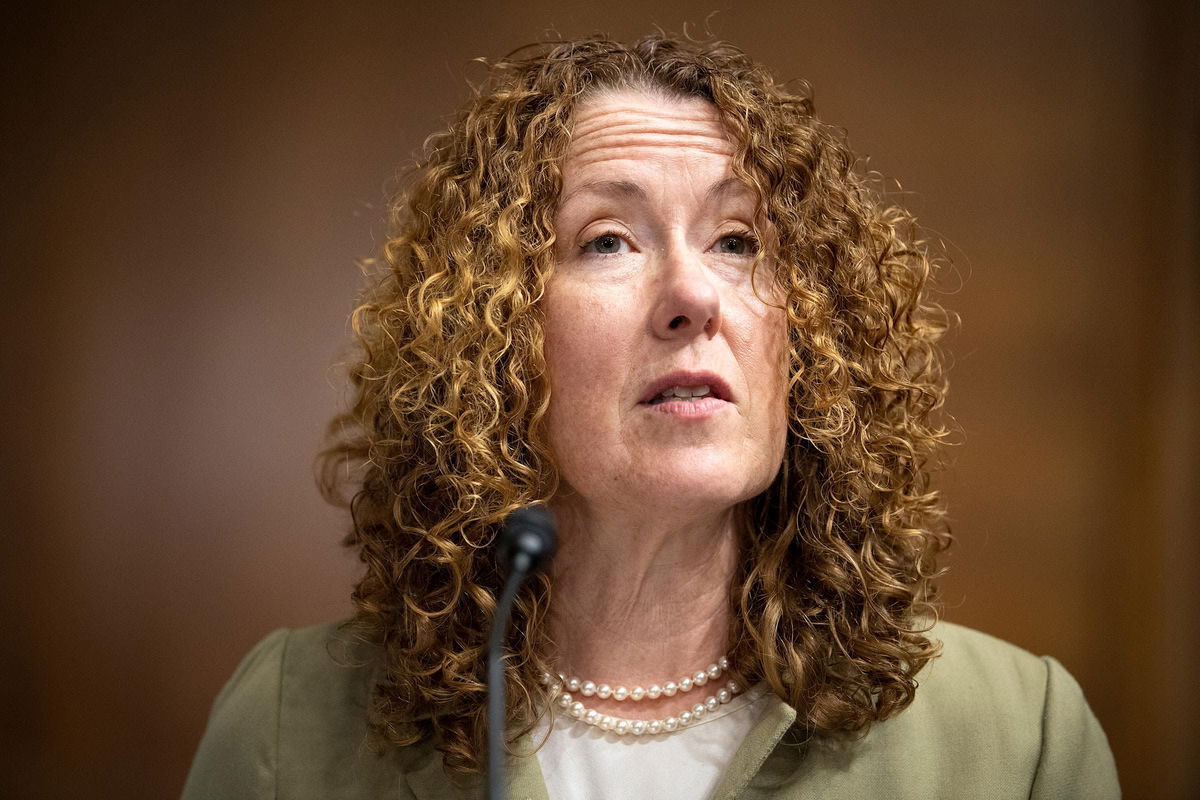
(447, 430)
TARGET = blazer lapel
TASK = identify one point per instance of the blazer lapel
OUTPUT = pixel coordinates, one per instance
(755, 748)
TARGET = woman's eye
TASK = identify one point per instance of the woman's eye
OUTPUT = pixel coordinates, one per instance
(604, 241)
(744, 242)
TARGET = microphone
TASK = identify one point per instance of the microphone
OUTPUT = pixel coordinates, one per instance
(526, 545)
(528, 540)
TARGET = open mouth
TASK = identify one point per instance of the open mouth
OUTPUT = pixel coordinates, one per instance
(687, 394)
(687, 386)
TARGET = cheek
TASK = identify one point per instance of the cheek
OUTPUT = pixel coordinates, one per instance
(773, 357)
(581, 350)
(762, 344)
(570, 344)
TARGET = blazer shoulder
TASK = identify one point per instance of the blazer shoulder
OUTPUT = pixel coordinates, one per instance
(327, 680)
(980, 695)
(970, 656)
(238, 753)
(330, 655)
(292, 721)
(1035, 710)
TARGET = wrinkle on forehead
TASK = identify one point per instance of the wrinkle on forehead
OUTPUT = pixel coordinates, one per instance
(625, 124)
(646, 147)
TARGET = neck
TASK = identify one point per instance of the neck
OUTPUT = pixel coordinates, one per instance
(640, 600)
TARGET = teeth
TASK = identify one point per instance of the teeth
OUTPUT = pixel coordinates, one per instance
(683, 392)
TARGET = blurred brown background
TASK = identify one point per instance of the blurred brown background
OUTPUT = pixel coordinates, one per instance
(186, 191)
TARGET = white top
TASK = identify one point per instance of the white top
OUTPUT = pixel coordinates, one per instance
(582, 762)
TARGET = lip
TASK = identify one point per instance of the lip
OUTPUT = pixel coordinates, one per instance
(702, 409)
(717, 386)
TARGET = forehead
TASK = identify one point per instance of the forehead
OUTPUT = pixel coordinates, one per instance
(634, 125)
(621, 139)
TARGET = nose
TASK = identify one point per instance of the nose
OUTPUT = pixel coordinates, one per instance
(688, 303)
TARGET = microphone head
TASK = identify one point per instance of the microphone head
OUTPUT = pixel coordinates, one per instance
(529, 538)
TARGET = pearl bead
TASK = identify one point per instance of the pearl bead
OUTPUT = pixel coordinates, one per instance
(564, 690)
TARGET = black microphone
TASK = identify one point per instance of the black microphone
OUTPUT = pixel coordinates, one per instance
(526, 544)
(528, 540)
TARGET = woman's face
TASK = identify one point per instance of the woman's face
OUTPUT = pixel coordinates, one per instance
(651, 292)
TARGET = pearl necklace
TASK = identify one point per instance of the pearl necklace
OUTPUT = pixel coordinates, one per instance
(621, 726)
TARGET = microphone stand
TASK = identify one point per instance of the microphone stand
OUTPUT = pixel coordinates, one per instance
(527, 544)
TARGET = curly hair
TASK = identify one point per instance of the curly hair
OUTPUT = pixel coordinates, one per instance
(446, 433)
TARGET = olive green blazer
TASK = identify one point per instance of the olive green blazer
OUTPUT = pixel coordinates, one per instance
(989, 720)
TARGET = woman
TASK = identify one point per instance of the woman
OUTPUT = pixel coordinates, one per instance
(643, 286)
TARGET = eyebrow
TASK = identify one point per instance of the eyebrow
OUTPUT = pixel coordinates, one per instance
(628, 190)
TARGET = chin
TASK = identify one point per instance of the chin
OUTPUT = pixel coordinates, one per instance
(703, 490)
